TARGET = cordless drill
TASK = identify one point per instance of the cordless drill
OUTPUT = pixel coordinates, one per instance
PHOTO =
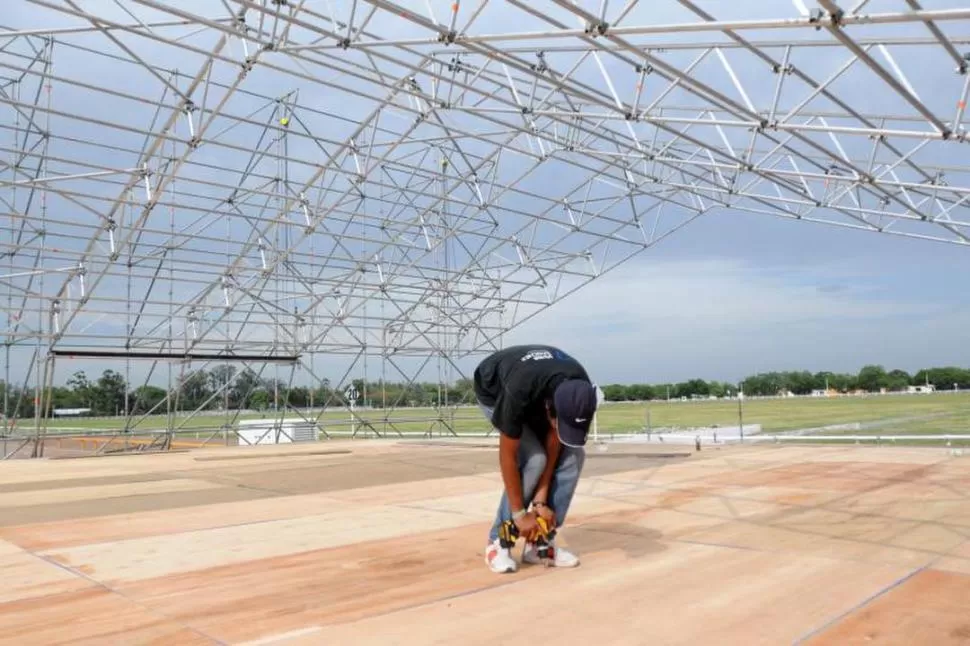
(509, 532)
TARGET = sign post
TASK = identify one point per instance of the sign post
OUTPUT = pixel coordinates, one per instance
(600, 398)
(351, 395)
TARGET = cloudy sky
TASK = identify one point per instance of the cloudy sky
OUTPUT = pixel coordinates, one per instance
(710, 302)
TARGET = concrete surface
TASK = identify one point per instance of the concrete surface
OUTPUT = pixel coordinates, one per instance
(381, 543)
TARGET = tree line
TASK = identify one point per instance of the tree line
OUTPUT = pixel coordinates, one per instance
(872, 378)
(226, 388)
(222, 388)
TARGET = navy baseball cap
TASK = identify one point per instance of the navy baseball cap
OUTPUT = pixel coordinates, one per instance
(575, 401)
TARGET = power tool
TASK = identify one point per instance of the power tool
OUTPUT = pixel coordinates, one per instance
(508, 533)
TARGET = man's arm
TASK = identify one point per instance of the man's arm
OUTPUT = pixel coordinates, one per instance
(552, 457)
(508, 450)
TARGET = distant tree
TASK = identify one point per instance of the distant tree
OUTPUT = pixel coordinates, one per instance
(221, 379)
(298, 396)
(693, 387)
(146, 399)
(943, 378)
(245, 386)
(801, 383)
(259, 400)
(614, 392)
(82, 389)
(640, 392)
(108, 393)
(872, 378)
(194, 390)
(898, 380)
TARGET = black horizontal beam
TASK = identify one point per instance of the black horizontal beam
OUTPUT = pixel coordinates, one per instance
(171, 356)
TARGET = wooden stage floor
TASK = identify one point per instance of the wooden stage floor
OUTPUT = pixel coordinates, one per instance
(381, 543)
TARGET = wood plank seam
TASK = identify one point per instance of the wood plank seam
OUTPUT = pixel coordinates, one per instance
(110, 590)
(862, 604)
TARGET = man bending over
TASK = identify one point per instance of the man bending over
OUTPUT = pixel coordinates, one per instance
(542, 403)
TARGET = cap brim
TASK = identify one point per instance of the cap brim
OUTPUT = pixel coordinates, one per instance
(572, 436)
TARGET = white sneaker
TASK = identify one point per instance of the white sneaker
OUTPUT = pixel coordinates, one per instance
(499, 559)
(561, 556)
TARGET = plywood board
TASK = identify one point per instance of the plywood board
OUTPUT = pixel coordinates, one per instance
(385, 545)
(928, 608)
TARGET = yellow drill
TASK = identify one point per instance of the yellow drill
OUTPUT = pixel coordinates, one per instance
(509, 532)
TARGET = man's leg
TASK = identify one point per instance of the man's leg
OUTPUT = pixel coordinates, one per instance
(532, 461)
(565, 478)
(564, 481)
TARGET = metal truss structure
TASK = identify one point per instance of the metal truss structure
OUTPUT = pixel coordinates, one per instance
(401, 182)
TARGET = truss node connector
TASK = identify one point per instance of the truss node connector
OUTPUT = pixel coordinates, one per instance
(448, 37)
(225, 280)
(962, 69)
(598, 28)
(836, 18)
(541, 65)
(110, 227)
(815, 17)
(195, 142)
(56, 315)
(456, 65)
(193, 321)
(344, 43)
(248, 64)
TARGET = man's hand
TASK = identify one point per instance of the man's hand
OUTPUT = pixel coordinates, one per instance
(547, 513)
(528, 527)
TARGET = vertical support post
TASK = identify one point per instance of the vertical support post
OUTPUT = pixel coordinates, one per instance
(741, 409)
(782, 72)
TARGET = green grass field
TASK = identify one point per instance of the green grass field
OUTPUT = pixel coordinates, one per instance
(902, 413)
(898, 414)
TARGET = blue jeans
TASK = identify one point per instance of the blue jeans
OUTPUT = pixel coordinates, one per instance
(532, 462)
